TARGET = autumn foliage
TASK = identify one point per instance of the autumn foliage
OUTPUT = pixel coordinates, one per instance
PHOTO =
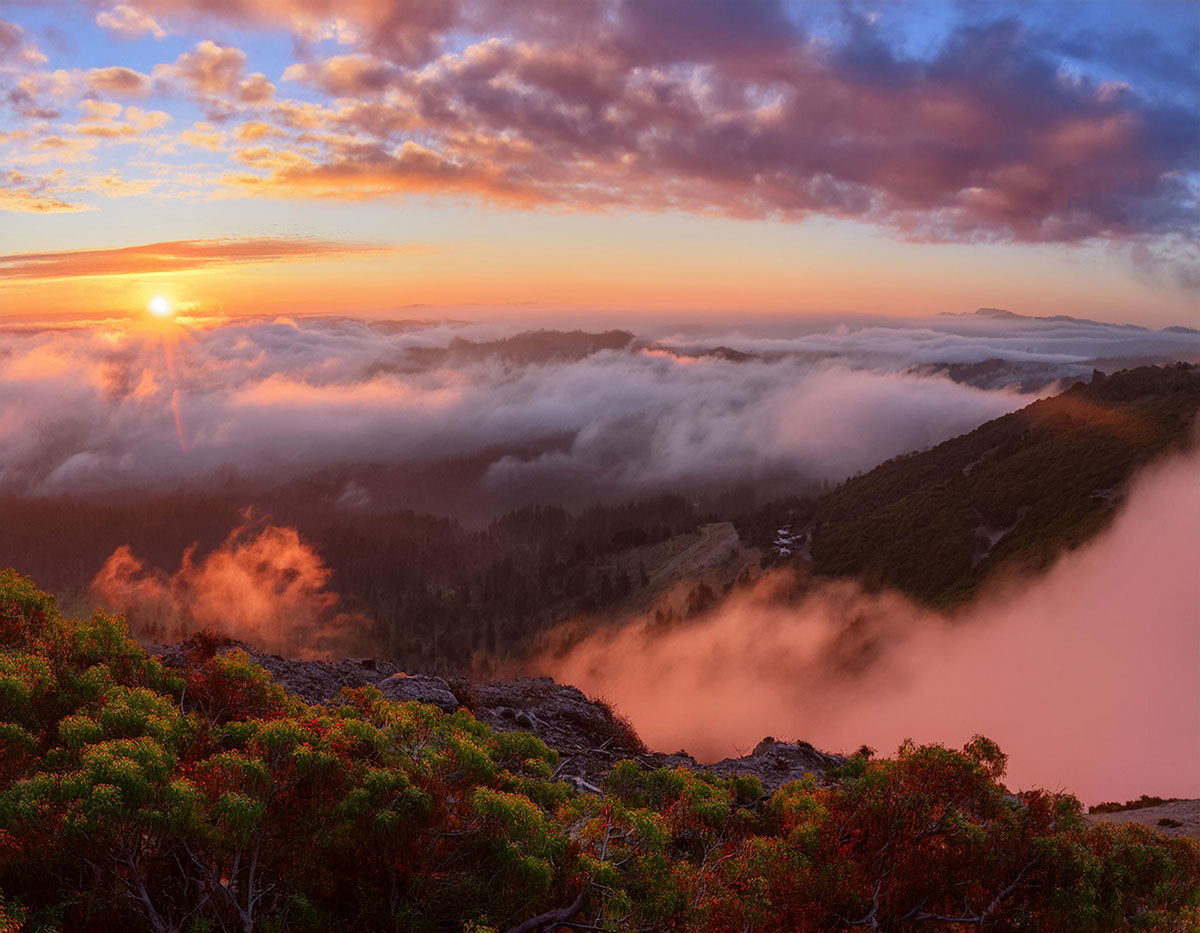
(139, 797)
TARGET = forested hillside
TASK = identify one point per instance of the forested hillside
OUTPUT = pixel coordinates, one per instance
(433, 592)
(134, 797)
(1013, 493)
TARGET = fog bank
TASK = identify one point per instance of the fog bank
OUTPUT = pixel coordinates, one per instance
(119, 405)
(1088, 676)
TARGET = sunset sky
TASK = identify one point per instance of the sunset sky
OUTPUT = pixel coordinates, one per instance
(430, 159)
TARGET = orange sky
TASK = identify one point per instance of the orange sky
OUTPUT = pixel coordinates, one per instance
(617, 264)
(771, 157)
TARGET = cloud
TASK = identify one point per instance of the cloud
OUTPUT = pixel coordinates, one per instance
(734, 108)
(25, 194)
(1062, 346)
(16, 51)
(73, 150)
(105, 119)
(254, 130)
(264, 584)
(667, 424)
(760, 110)
(118, 81)
(208, 69)
(1086, 675)
(204, 136)
(255, 89)
(93, 408)
(129, 23)
(345, 75)
(40, 95)
(365, 171)
(404, 31)
(173, 256)
(336, 29)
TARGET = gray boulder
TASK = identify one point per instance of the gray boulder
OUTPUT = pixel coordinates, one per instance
(421, 688)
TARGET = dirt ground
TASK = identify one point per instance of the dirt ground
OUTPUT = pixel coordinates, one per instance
(1185, 812)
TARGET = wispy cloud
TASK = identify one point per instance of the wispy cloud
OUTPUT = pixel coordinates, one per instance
(129, 23)
(26, 194)
(178, 256)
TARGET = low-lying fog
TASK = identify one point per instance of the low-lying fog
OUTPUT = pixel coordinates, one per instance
(1088, 675)
(563, 417)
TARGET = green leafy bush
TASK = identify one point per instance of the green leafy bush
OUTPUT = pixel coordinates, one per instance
(133, 797)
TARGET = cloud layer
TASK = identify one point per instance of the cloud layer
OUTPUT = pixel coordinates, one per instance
(765, 109)
(111, 405)
(175, 256)
(1086, 676)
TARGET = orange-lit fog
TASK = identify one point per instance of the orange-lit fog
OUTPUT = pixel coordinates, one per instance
(1086, 675)
(263, 585)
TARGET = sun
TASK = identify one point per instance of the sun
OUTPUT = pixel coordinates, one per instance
(159, 306)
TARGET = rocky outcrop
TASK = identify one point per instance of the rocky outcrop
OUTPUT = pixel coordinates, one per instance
(589, 736)
(421, 688)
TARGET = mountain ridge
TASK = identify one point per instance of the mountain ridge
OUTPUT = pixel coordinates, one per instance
(1050, 475)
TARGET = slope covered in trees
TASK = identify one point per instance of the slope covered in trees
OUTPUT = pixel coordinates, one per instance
(434, 592)
(1013, 493)
(139, 797)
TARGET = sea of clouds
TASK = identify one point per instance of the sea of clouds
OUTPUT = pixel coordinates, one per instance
(109, 405)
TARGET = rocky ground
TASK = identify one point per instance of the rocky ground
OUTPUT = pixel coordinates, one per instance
(1175, 817)
(588, 735)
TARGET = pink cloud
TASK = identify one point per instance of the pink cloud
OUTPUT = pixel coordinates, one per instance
(128, 22)
(208, 69)
(118, 81)
(700, 106)
(1086, 675)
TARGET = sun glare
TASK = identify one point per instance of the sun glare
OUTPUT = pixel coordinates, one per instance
(159, 306)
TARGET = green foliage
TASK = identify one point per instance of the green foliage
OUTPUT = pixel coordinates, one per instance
(25, 611)
(137, 798)
(12, 917)
(1146, 800)
(1047, 475)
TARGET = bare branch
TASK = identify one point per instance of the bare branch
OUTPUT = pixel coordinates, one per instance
(551, 916)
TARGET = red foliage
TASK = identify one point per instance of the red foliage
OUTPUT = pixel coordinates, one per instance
(228, 687)
(205, 643)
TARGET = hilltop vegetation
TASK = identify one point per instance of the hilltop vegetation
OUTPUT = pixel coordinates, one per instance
(139, 797)
(1013, 493)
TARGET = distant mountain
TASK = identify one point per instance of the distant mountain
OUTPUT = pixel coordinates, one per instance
(1002, 314)
(529, 347)
(1015, 492)
(996, 374)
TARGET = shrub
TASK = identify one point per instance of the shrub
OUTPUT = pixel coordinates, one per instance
(134, 798)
